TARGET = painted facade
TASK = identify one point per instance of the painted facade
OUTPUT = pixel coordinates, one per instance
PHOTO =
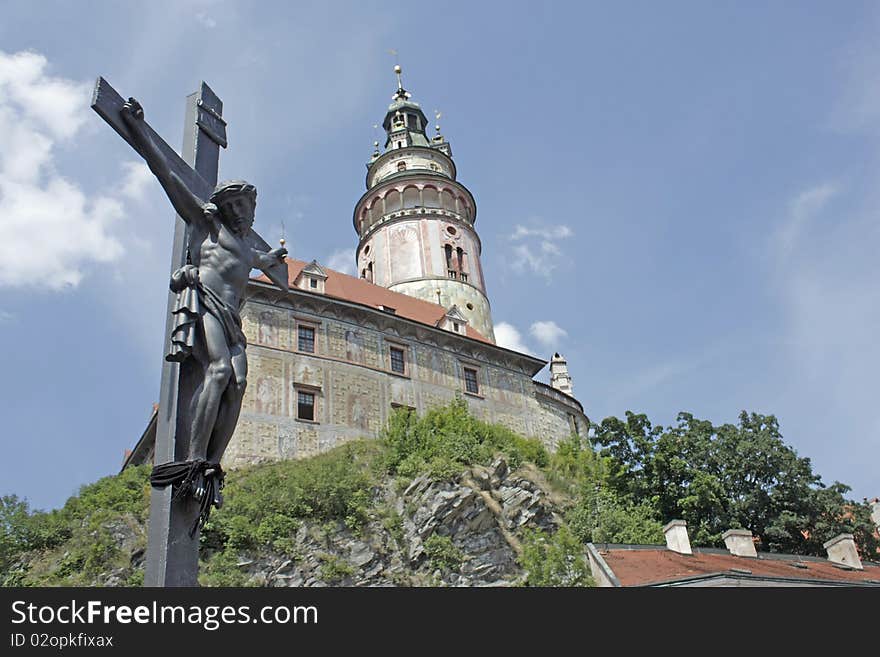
(355, 389)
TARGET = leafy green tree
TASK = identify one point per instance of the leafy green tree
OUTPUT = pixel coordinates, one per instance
(602, 516)
(554, 559)
(722, 477)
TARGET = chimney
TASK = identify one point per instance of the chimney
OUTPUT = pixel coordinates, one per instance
(677, 537)
(559, 376)
(842, 550)
(739, 542)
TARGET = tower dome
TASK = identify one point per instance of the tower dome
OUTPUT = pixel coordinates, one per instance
(415, 222)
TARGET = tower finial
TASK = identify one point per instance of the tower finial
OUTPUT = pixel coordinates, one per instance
(401, 93)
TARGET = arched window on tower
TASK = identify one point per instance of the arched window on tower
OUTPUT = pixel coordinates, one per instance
(450, 265)
(411, 197)
(462, 269)
(431, 197)
(448, 200)
(369, 273)
(392, 201)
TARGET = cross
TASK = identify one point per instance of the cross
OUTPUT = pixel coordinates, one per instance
(172, 549)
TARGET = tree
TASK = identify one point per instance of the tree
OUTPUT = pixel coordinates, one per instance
(730, 476)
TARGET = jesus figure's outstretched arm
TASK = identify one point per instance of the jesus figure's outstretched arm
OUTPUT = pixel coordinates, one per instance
(187, 204)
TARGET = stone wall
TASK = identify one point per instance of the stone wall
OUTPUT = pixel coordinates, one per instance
(355, 390)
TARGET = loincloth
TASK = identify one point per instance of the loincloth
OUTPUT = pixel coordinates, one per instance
(192, 302)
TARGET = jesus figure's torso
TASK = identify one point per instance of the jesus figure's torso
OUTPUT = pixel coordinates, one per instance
(224, 261)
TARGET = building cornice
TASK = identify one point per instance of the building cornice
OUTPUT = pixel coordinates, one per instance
(388, 155)
(404, 328)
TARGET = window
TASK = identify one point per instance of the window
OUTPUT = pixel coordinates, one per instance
(305, 405)
(306, 339)
(398, 364)
(464, 277)
(470, 381)
(451, 273)
(456, 327)
(573, 425)
(313, 283)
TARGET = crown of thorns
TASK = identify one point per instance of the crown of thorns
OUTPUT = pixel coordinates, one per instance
(232, 188)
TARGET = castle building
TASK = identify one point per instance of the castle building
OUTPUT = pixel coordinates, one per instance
(331, 358)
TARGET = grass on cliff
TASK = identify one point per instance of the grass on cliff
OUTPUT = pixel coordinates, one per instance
(445, 440)
(78, 543)
(99, 530)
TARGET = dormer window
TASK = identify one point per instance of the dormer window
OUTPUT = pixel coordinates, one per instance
(311, 278)
(453, 321)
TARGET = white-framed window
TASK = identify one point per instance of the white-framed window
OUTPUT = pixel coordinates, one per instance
(397, 358)
(471, 377)
(305, 337)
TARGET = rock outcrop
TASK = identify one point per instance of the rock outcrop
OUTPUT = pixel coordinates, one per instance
(475, 517)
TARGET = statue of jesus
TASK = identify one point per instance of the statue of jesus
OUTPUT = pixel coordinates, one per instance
(210, 289)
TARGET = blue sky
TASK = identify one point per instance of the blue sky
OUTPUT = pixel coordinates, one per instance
(680, 197)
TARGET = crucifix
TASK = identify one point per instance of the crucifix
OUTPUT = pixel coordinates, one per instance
(204, 373)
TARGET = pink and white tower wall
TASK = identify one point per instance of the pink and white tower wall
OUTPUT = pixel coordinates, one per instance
(415, 223)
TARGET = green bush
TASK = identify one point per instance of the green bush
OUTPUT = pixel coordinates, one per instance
(73, 545)
(442, 553)
(266, 504)
(447, 439)
(222, 569)
(333, 569)
(601, 516)
(554, 559)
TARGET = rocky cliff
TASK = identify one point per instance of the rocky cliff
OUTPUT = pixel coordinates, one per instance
(464, 531)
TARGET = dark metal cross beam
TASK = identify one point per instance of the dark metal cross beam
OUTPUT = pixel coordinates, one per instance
(172, 552)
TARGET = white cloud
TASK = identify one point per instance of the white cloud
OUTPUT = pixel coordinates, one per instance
(826, 293)
(53, 230)
(537, 248)
(549, 232)
(509, 337)
(137, 178)
(803, 208)
(342, 260)
(548, 333)
(206, 20)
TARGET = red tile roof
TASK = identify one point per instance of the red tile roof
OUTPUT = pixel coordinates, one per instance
(639, 566)
(348, 288)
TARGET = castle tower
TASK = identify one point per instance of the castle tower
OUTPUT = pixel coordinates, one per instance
(416, 221)
(559, 376)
